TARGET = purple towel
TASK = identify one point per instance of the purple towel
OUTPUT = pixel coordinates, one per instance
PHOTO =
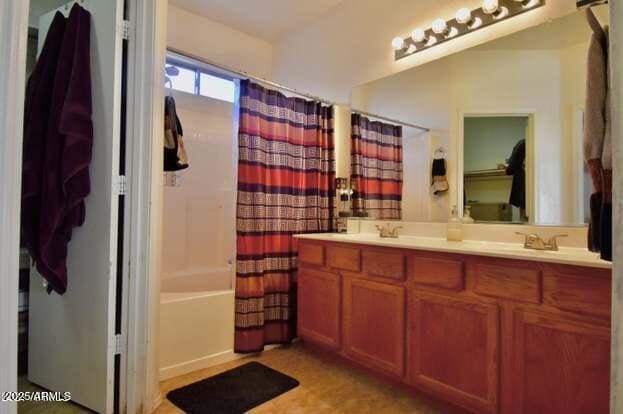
(67, 152)
(36, 117)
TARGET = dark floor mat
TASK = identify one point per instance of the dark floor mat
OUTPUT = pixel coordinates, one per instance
(234, 391)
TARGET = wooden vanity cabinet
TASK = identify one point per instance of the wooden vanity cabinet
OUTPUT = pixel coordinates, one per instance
(487, 334)
(559, 364)
(454, 349)
(319, 307)
(374, 324)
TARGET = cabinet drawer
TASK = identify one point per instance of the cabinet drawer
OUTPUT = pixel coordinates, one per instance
(577, 293)
(345, 258)
(311, 253)
(444, 273)
(384, 264)
(509, 281)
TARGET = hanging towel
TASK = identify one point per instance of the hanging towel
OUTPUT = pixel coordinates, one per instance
(36, 117)
(67, 152)
(597, 145)
(175, 157)
(516, 168)
(440, 181)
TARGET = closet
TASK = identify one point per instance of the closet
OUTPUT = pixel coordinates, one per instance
(75, 340)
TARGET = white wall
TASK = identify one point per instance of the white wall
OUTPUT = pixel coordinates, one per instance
(204, 38)
(198, 224)
(40, 7)
(350, 44)
(486, 81)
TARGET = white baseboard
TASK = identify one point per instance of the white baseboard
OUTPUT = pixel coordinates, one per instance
(155, 404)
(205, 362)
(197, 364)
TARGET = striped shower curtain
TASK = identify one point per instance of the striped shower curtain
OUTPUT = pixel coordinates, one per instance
(286, 185)
(376, 167)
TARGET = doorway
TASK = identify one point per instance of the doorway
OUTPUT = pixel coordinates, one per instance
(70, 336)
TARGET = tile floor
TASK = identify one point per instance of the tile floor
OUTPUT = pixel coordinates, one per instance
(38, 407)
(325, 386)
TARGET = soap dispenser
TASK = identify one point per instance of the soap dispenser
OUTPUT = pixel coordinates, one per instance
(467, 216)
(454, 231)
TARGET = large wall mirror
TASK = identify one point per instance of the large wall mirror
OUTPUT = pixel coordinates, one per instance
(509, 116)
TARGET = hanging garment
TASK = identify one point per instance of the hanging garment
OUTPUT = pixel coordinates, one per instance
(376, 167)
(36, 118)
(516, 168)
(175, 157)
(67, 151)
(286, 185)
(440, 181)
(597, 144)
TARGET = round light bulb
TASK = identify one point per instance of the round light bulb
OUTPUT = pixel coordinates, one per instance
(398, 43)
(490, 6)
(439, 26)
(418, 35)
(464, 15)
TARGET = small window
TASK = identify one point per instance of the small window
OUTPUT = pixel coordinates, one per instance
(215, 87)
(185, 80)
(191, 79)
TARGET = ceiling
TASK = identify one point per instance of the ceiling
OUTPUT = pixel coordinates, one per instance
(272, 19)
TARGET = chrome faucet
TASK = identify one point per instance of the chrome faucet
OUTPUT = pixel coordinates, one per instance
(535, 242)
(386, 232)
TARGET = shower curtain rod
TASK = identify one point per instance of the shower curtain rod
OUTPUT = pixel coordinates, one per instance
(184, 56)
(393, 121)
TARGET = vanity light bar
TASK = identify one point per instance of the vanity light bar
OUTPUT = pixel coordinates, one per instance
(466, 21)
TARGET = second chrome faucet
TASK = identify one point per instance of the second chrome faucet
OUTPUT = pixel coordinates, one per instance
(535, 242)
(386, 231)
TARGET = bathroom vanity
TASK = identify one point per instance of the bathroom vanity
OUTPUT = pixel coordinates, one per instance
(493, 329)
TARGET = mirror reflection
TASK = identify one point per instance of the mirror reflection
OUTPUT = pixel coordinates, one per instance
(494, 168)
(509, 116)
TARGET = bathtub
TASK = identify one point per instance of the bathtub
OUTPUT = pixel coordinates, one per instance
(196, 321)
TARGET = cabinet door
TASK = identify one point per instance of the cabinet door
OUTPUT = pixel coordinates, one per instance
(453, 349)
(374, 324)
(560, 365)
(319, 307)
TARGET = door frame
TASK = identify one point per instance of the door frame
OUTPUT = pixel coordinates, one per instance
(531, 183)
(145, 117)
(616, 81)
(13, 38)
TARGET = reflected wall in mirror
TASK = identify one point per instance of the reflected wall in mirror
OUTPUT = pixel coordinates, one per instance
(538, 74)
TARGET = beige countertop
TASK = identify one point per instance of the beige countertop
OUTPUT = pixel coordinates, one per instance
(565, 255)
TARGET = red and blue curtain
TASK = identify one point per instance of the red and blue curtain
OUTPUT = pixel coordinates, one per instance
(376, 167)
(286, 186)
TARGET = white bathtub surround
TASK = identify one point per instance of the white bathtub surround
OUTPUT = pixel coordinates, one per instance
(196, 328)
(196, 331)
(198, 280)
(482, 240)
(197, 296)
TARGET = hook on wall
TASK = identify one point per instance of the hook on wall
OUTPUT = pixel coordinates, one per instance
(67, 6)
(439, 153)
